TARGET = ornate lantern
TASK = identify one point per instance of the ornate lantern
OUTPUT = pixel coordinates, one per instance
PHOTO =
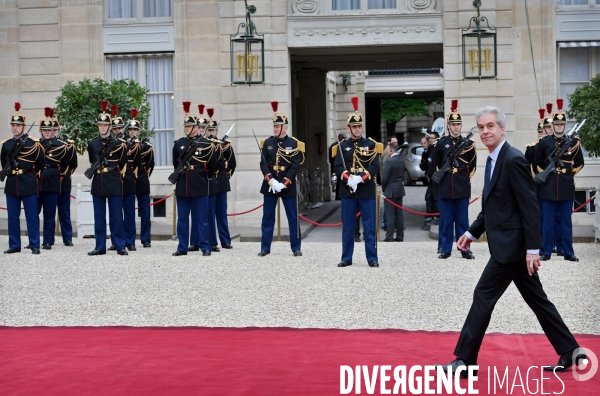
(479, 48)
(247, 52)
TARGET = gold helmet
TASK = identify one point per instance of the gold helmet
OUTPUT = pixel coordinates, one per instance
(278, 118)
(355, 118)
(17, 118)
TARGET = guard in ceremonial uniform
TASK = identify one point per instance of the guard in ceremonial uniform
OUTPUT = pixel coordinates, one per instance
(218, 219)
(20, 185)
(558, 192)
(192, 186)
(455, 186)
(107, 184)
(212, 197)
(281, 157)
(64, 198)
(142, 188)
(530, 156)
(55, 166)
(357, 164)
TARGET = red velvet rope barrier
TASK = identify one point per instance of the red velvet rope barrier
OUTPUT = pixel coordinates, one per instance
(583, 204)
(422, 213)
(321, 224)
(248, 211)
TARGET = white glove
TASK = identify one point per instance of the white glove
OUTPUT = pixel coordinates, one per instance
(282, 186)
(358, 179)
(352, 182)
(272, 186)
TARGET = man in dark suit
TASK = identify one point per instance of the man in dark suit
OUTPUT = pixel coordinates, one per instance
(510, 216)
(393, 189)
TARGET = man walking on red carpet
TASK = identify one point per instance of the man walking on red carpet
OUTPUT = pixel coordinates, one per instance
(510, 216)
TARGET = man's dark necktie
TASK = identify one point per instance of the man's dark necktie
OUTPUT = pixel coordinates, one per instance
(488, 177)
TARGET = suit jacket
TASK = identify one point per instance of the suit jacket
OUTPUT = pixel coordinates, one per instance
(391, 181)
(510, 213)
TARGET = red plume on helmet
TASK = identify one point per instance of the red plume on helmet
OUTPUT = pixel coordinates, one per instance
(134, 113)
(47, 111)
(186, 107)
(52, 112)
(354, 101)
(559, 104)
(541, 111)
(274, 106)
(548, 108)
(104, 105)
(17, 106)
(114, 109)
(210, 111)
(201, 109)
(453, 105)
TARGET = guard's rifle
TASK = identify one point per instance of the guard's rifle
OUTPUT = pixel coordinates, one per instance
(101, 157)
(556, 156)
(12, 156)
(184, 159)
(452, 157)
(424, 131)
(227, 134)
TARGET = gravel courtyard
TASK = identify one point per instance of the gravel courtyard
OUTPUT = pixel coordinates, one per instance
(412, 289)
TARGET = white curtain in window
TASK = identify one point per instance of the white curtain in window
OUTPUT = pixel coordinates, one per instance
(157, 8)
(381, 4)
(346, 5)
(573, 2)
(122, 9)
(159, 80)
(124, 68)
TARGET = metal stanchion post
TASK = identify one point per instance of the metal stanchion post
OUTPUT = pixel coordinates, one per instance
(174, 214)
(279, 220)
(377, 215)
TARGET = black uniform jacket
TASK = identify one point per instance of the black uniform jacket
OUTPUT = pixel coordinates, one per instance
(108, 181)
(360, 158)
(55, 166)
(284, 157)
(560, 186)
(228, 158)
(530, 156)
(22, 179)
(426, 159)
(509, 215)
(142, 183)
(455, 184)
(134, 164)
(220, 165)
(65, 185)
(194, 181)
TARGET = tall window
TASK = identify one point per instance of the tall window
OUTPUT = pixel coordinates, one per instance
(138, 9)
(339, 5)
(156, 74)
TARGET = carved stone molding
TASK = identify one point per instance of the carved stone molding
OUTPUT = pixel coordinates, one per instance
(306, 7)
(420, 5)
(366, 30)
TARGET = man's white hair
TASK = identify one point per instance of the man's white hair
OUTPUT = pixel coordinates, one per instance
(500, 116)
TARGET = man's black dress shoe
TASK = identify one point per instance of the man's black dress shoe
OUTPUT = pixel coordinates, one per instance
(28, 247)
(468, 255)
(206, 252)
(388, 240)
(445, 255)
(122, 252)
(439, 250)
(131, 248)
(193, 248)
(454, 365)
(560, 253)
(571, 258)
(373, 264)
(215, 248)
(68, 243)
(46, 246)
(96, 252)
(12, 250)
(146, 244)
(357, 239)
(35, 251)
(398, 240)
(226, 246)
(344, 263)
(112, 247)
(544, 257)
(263, 253)
(566, 360)
(297, 253)
(180, 253)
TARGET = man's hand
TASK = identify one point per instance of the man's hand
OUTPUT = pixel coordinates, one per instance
(464, 243)
(353, 182)
(272, 186)
(533, 263)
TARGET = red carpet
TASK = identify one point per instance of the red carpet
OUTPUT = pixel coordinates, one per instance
(254, 361)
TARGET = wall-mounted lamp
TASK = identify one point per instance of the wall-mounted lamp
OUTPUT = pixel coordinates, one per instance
(479, 48)
(247, 51)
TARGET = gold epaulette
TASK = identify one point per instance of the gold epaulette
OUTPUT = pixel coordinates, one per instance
(122, 140)
(378, 146)
(334, 151)
(301, 146)
(532, 144)
(34, 139)
(3, 141)
(262, 143)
